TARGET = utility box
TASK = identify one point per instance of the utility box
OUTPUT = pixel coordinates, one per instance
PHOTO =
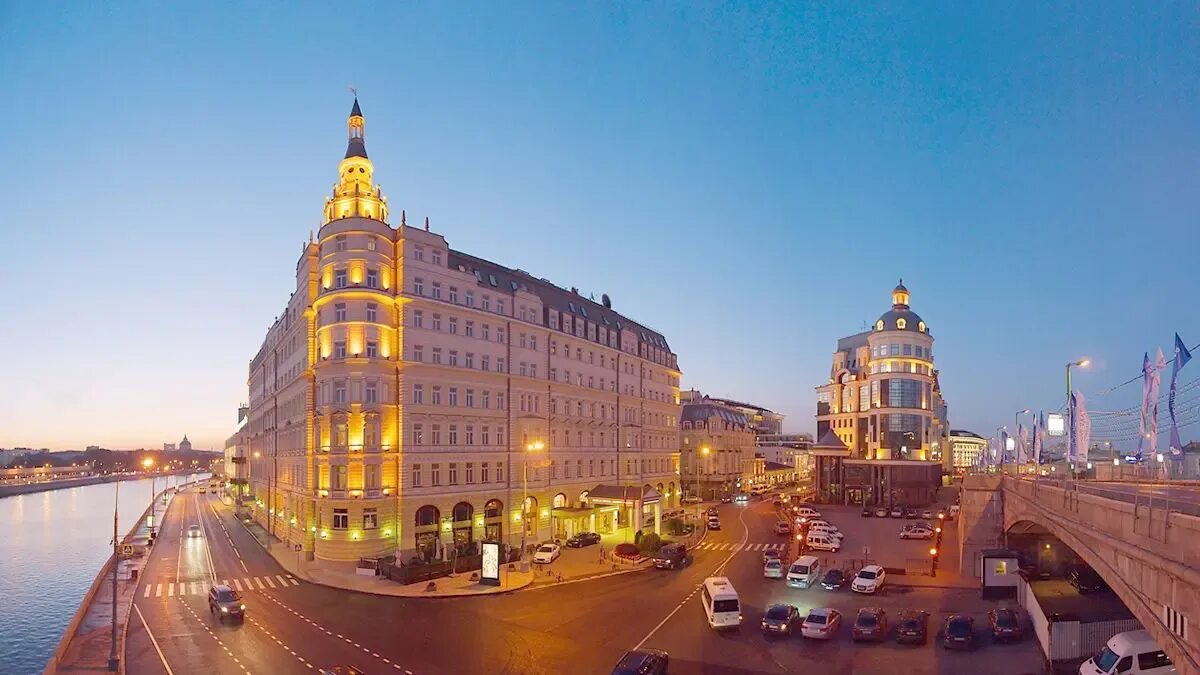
(999, 574)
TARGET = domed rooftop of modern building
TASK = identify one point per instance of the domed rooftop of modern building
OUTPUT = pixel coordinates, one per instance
(900, 317)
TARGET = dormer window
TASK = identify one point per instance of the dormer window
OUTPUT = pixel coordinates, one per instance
(921, 326)
(879, 325)
(901, 323)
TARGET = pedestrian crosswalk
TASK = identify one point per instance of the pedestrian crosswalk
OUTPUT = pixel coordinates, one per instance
(266, 582)
(734, 548)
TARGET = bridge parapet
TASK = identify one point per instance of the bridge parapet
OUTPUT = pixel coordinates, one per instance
(1147, 552)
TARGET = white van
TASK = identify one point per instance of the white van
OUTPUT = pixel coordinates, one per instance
(807, 513)
(721, 604)
(1132, 652)
(805, 572)
(820, 541)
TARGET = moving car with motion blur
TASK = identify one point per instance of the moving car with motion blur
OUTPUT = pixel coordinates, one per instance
(642, 662)
(773, 569)
(193, 531)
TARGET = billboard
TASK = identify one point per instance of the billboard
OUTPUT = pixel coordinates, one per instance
(1055, 425)
(489, 574)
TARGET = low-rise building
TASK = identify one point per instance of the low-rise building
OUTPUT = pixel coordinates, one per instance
(716, 441)
(965, 448)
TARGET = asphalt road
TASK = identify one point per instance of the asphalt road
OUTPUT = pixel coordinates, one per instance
(577, 627)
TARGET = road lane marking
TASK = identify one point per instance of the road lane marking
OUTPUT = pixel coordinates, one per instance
(170, 590)
(260, 584)
(158, 590)
(237, 585)
(149, 587)
(293, 580)
(282, 581)
(717, 571)
(249, 586)
(269, 582)
(152, 640)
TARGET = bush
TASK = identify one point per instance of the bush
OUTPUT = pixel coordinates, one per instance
(650, 543)
(675, 526)
(626, 551)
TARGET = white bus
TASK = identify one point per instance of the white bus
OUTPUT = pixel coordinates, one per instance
(721, 604)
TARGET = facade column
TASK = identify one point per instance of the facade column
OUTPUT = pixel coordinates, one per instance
(658, 517)
(592, 520)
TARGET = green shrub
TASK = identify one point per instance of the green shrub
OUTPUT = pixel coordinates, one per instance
(650, 543)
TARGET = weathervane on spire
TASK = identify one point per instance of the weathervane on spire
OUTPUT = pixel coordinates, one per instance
(354, 90)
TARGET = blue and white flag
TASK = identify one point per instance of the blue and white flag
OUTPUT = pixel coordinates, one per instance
(1182, 356)
(1004, 455)
(1039, 423)
(1143, 427)
(1160, 364)
(1081, 429)
(1022, 444)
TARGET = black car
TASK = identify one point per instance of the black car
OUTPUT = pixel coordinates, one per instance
(780, 619)
(870, 624)
(867, 513)
(583, 539)
(958, 632)
(671, 556)
(1086, 580)
(912, 627)
(833, 580)
(712, 511)
(912, 514)
(642, 662)
(1005, 624)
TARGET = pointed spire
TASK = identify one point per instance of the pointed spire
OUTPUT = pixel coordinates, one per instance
(403, 217)
(426, 223)
(356, 111)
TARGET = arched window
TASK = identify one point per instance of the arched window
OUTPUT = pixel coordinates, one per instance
(879, 325)
(427, 515)
(463, 512)
(921, 326)
(560, 500)
(901, 323)
(583, 497)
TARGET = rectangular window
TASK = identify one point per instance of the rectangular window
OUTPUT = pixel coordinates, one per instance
(483, 472)
(499, 472)
(486, 401)
(523, 341)
(339, 349)
(533, 342)
(339, 279)
(470, 300)
(341, 519)
(470, 398)
(453, 395)
(419, 252)
(500, 365)
(437, 321)
(372, 349)
(339, 311)
(339, 477)
(418, 318)
(418, 393)
(486, 438)
(437, 354)
(437, 290)
(371, 476)
(419, 286)
(487, 332)
(485, 362)
(339, 393)
(437, 395)
(894, 349)
(499, 400)
(418, 353)
(372, 278)
(522, 369)
(416, 475)
(372, 312)
(454, 325)
(372, 393)
(470, 472)
(435, 475)
(435, 435)
(371, 245)
(469, 329)
(454, 473)
(907, 349)
(487, 302)
(339, 244)
(454, 294)
(469, 360)
(453, 357)
(418, 435)
(437, 257)
(370, 519)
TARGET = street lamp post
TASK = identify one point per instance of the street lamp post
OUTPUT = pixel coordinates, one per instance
(148, 463)
(704, 450)
(531, 447)
(1082, 363)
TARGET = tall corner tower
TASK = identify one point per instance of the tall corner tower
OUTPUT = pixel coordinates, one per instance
(354, 195)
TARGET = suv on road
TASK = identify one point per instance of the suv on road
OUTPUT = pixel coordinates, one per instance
(671, 557)
(226, 602)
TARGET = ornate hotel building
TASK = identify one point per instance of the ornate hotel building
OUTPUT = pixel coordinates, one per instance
(414, 399)
(882, 412)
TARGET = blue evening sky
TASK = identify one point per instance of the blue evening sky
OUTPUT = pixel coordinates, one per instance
(750, 179)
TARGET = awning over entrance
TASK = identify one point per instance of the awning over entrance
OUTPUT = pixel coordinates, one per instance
(622, 494)
(572, 510)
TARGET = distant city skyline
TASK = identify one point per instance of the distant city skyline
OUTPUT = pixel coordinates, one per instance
(749, 181)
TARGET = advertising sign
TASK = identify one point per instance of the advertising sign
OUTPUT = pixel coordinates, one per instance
(490, 573)
(1055, 425)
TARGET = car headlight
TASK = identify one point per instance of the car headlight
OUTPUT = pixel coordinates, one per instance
(224, 610)
(242, 607)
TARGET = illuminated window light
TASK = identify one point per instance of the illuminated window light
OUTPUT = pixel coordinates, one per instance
(324, 534)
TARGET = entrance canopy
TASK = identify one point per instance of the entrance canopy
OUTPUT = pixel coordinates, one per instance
(615, 495)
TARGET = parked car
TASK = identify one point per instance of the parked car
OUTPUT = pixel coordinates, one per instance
(783, 527)
(821, 623)
(547, 553)
(642, 662)
(833, 580)
(714, 523)
(725, 499)
(881, 512)
(226, 603)
(916, 532)
(1085, 579)
(831, 532)
(870, 624)
(912, 514)
(742, 498)
(912, 627)
(583, 539)
(869, 579)
(897, 512)
(671, 556)
(193, 530)
(771, 554)
(820, 541)
(958, 632)
(1005, 623)
(779, 620)
(341, 670)
(712, 511)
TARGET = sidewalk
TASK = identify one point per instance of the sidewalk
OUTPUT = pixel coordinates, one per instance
(344, 575)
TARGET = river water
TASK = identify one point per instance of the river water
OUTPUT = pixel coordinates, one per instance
(52, 545)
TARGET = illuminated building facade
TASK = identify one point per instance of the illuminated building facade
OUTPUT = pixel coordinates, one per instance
(881, 419)
(398, 395)
(717, 442)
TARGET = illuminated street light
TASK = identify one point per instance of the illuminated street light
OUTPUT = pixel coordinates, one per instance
(933, 552)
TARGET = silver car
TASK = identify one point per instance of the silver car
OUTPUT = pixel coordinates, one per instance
(193, 531)
(226, 602)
